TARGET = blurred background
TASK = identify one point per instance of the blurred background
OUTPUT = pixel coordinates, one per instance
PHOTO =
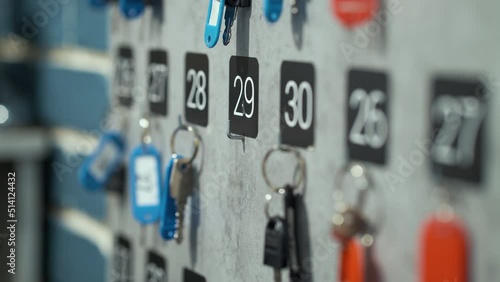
(53, 69)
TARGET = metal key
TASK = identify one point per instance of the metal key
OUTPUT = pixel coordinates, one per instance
(276, 246)
(291, 220)
(229, 18)
(181, 188)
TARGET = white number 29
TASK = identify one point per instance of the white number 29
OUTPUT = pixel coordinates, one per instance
(243, 91)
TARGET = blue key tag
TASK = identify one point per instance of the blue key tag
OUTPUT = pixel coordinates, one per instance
(145, 183)
(99, 166)
(168, 219)
(272, 9)
(214, 21)
(131, 8)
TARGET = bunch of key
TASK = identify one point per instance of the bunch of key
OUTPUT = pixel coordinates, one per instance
(182, 183)
(280, 246)
(178, 187)
(218, 9)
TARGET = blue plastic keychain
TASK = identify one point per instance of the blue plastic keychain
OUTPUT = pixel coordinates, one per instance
(98, 167)
(272, 9)
(168, 220)
(132, 9)
(145, 179)
(214, 21)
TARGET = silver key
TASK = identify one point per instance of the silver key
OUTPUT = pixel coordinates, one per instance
(182, 184)
(229, 18)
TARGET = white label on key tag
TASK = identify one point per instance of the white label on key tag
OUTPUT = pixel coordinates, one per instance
(214, 14)
(147, 190)
(101, 163)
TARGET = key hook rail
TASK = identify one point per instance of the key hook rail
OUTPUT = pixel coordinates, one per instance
(196, 139)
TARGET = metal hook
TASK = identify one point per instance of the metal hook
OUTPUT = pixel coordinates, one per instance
(234, 136)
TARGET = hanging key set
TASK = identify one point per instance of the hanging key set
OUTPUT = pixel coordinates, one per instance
(281, 244)
(218, 9)
(179, 186)
(351, 226)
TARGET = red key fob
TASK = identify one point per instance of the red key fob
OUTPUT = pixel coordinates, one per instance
(352, 262)
(352, 13)
(444, 247)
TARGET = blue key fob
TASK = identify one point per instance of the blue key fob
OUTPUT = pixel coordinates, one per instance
(98, 3)
(131, 8)
(145, 183)
(98, 167)
(214, 21)
(168, 220)
(272, 9)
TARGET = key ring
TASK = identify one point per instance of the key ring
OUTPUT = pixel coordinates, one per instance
(359, 173)
(364, 183)
(286, 149)
(196, 142)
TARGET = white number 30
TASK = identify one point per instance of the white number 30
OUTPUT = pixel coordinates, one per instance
(304, 120)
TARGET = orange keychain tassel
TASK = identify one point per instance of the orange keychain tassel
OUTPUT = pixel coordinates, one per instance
(352, 266)
(444, 250)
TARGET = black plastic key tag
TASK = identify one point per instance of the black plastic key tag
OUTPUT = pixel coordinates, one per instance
(276, 245)
(292, 243)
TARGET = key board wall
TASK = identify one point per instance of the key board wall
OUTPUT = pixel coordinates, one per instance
(378, 93)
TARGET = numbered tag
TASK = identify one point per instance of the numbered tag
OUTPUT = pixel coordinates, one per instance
(168, 219)
(99, 166)
(158, 82)
(352, 13)
(444, 251)
(297, 104)
(367, 116)
(145, 182)
(190, 276)
(156, 268)
(124, 76)
(457, 117)
(244, 96)
(196, 101)
(122, 261)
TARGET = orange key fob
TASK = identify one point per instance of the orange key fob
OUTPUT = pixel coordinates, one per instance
(444, 250)
(352, 262)
(352, 13)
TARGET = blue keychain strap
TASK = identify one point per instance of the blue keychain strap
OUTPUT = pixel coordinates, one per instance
(213, 22)
(148, 213)
(272, 9)
(168, 220)
(87, 173)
